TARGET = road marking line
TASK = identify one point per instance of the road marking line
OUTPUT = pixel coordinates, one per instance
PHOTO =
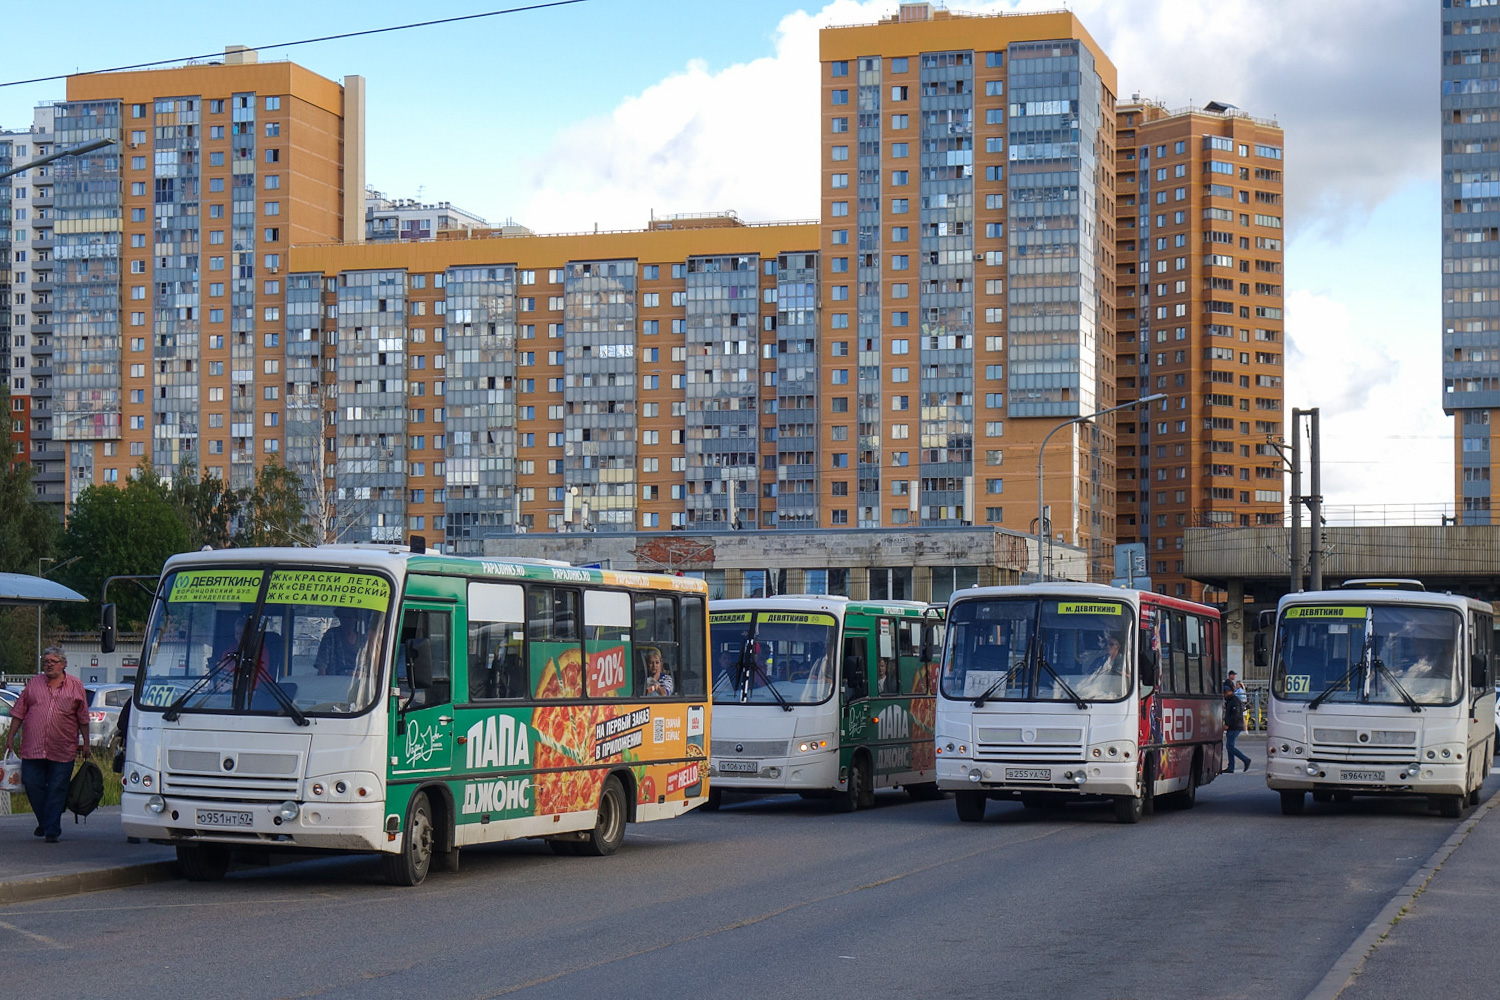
(39, 938)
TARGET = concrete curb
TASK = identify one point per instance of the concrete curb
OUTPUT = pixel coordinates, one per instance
(1352, 962)
(71, 883)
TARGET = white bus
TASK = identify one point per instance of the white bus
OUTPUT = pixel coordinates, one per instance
(823, 696)
(363, 698)
(1378, 689)
(1059, 692)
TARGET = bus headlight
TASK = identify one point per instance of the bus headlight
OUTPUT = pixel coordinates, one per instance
(974, 775)
(156, 804)
(813, 745)
(288, 811)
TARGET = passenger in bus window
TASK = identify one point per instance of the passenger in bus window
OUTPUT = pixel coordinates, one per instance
(658, 681)
(338, 650)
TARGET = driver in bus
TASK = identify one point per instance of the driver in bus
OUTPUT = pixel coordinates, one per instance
(1108, 669)
(338, 650)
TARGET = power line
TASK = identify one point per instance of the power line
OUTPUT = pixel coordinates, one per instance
(303, 41)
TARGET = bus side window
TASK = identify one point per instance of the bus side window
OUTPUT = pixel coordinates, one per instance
(856, 684)
(552, 628)
(427, 654)
(496, 642)
(1194, 655)
(690, 671)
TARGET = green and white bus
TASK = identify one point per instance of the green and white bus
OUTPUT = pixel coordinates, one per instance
(364, 698)
(823, 696)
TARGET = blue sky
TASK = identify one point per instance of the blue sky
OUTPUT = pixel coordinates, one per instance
(603, 112)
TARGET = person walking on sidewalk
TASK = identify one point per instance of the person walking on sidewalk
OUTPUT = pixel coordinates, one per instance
(51, 729)
(1234, 723)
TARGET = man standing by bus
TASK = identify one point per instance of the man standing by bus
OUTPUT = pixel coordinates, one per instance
(1234, 722)
(51, 728)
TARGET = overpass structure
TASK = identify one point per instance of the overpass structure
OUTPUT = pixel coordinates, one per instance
(1251, 566)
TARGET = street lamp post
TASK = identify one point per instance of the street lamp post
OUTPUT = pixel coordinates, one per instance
(40, 560)
(87, 147)
(1042, 535)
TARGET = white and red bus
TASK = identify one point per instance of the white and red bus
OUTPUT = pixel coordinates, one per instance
(1057, 692)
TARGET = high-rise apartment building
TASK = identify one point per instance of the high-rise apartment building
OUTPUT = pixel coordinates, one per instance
(1471, 245)
(968, 171)
(1200, 319)
(168, 257)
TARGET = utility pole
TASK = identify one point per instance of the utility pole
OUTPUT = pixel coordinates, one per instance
(1315, 503)
(1296, 502)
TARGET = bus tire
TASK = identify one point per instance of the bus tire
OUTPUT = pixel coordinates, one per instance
(1148, 786)
(1451, 806)
(926, 792)
(857, 793)
(715, 800)
(609, 827)
(409, 865)
(1188, 797)
(1474, 796)
(970, 806)
(203, 862)
(1292, 802)
(1129, 808)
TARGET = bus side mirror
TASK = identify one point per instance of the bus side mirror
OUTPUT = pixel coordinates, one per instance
(107, 628)
(1265, 621)
(1262, 656)
(1148, 669)
(926, 653)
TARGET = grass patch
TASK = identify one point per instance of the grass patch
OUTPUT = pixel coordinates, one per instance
(19, 803)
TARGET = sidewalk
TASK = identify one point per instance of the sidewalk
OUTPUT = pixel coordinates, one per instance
(92, 854)
(1442, 943)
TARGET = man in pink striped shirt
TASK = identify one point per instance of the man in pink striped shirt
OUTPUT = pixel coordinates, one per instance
(51, 727)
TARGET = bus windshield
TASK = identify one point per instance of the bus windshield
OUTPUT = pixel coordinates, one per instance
(266, 642)
(1387, 654)
(1038, 650)
(772, 657)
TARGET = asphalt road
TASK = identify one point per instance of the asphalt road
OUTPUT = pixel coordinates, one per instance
(777, 898)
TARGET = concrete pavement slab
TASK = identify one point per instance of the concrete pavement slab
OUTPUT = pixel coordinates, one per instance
(92, 854)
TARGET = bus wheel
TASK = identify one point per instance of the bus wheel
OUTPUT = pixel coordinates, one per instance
(1129, 808)
(609, 829)
(857, 793)
(202, 862)
(1188, 797)
(715, 800)
(970, 805)
(926, 792)
(1451, 806)
(1292, 802)
(1474, 796)
(409, 865)
(1148, 786)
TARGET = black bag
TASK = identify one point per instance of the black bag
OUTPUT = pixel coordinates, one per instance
(86, 790)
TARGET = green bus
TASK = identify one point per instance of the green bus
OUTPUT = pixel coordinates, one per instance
(824, 696)
(365, 698)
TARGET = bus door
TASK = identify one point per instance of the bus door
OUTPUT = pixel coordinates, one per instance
(854, 690)
(422, 708)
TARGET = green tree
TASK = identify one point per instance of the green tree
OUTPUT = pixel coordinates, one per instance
(115, 531)
(28, 532)
(274, 510)
(208, 507)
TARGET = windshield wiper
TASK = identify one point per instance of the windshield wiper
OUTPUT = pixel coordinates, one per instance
(771, 687)
(1002, 682)
(1042, 661)
(174, 710)
(1390, 676)
(1330, 689)
(1025, 659)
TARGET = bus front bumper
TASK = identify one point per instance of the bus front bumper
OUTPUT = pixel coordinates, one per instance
(1409, 778)
(808, 773)
(957, 774)
(343, 826)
